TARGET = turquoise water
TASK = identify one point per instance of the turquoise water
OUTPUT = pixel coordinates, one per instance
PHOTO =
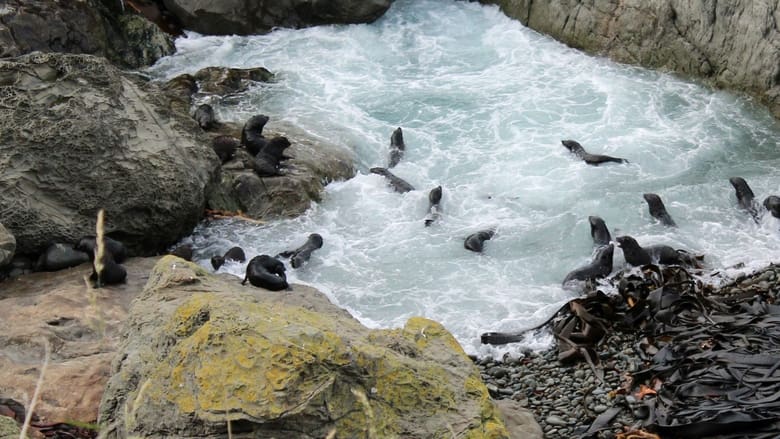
(484, 103)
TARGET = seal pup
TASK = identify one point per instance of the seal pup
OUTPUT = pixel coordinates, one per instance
(658, 210)
(225, 147)
(397, 147)
(476, 241)
(599, 231)
(745, 197)
(59, 256)
(637, 255)
(108, 272)
(302, 253)
(398, 184)
(599, 267)
(183, 251)
(234, 254)
(434, 210)
(252, 133)
(591, 159)
(772, 204)
(88, 245)
(267, 163)
(266, 272)
(205, 117)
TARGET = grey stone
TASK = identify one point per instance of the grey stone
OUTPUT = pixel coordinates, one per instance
(7, 246)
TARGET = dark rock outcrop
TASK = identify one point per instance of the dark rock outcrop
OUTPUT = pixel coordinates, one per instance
(7, 246)
(78, 135)
(95, 27)
(246, 17)
(734, 44)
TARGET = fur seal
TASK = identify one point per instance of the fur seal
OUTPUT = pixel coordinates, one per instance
(87, 245)
(267, 163)
(266, 272)
(434, 210)
(599, 231)
(183, 251)
(591, 159)
(745, 197)
(772, 204)
(397, 147)
(205, 117)
(234, 254)
(252, 133)
(110, 273)
(59, 256)
(302, 253)
(398, 184)
(476, 241)
(637, 255)
(225, 147)
(658, 210)
(599, 267)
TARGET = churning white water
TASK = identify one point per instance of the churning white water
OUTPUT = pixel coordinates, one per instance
(484, 103)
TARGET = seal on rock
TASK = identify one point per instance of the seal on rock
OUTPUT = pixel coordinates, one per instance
(252, 133)
(267, 163)
(398, 184)
(772, 204)
(637, 255)
(234, 254)
(658, 210)
(599, 267)
(225, 147)
(434, 210)
(599, 231)
(397, 147)
(476, 241)
(108, 271)
(183, 251)
(591, 159)
(87, 244)
(59, 256)
(302, 253)
(205, 117)
(745, 197)
(266, 272)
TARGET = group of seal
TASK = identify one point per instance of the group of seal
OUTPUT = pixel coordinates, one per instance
(268, 154)
(746, 200)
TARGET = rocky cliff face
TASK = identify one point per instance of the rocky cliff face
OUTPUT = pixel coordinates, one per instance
(733, 44)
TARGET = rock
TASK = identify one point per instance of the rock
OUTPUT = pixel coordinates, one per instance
(201, 350)
(91, 27)
(247, 17)
(82, 327)
(519, 421)
(7, 246)
(225, 80)
(314, 163)
(8, 428)
(733, 44)
(78, 136)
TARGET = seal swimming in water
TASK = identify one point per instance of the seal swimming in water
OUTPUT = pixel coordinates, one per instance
(266, 272)
(302, 253)
(87, 244)
(599, 231)
(745, 197)
(205, 117)
(398, 184)
(599, 267)
(397, 147)
(591, 159)
(59, 256)
(476, 241)
(658, 210)
(252, 133)
(225, 147)
(434, 210)
(637, 255)
(234, 254)
(772, 204)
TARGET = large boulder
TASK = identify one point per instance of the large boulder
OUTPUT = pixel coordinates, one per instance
(203, 354)
(82, 328)
(735, 44)
(96, 27)
(247, 17)
(78, 135)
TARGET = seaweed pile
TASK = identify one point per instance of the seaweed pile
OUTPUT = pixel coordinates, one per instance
(708, 357)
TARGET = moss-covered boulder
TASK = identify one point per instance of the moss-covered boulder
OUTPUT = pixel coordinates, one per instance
(204, 355)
